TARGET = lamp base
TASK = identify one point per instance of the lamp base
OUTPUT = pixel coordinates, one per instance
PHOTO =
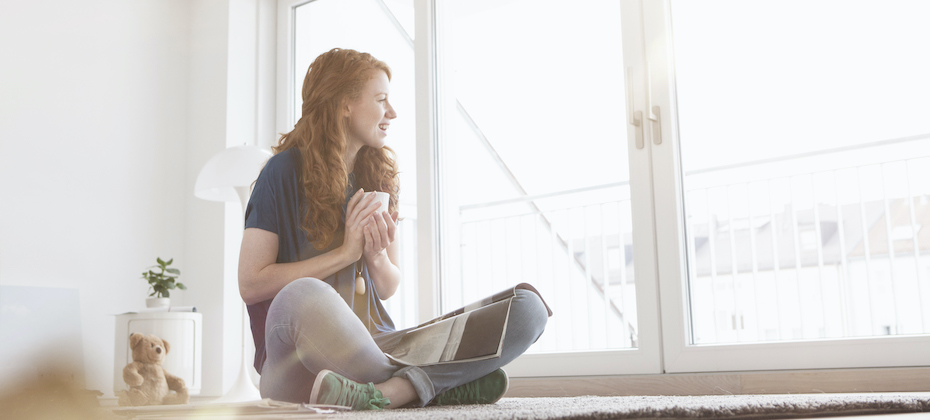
(242, 390)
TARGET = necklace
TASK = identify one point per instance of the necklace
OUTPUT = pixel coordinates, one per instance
(359, 280)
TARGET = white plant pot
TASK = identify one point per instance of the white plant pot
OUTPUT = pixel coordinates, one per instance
(156, 302)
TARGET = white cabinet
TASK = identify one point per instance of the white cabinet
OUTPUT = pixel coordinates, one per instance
(182, 331)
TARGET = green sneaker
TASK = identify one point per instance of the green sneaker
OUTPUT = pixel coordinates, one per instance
(485, 390)
(331, 388)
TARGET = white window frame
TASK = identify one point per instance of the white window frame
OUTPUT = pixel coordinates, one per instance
(646, 358)
(681, 356)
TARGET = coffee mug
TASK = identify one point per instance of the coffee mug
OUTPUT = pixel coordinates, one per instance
(382, 197)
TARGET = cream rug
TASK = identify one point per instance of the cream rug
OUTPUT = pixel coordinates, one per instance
(667, 407)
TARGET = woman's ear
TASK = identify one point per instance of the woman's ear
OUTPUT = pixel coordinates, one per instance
(346, 108)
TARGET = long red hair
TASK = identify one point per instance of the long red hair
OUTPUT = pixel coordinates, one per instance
(334, 78)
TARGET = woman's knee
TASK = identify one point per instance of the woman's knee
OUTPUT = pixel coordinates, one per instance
(302, 297)
(306, 289)
(529, 307)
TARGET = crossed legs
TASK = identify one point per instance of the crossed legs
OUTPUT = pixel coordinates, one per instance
(310, 328)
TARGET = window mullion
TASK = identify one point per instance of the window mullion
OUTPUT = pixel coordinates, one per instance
(428, 183)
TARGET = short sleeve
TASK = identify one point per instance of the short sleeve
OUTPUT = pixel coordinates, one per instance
(275, 181)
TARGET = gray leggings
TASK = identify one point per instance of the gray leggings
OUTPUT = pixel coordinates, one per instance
(310, 328)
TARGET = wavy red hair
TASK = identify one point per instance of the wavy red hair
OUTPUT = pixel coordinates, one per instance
(334, 78)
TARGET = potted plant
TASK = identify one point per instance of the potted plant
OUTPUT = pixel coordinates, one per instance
(161, 282)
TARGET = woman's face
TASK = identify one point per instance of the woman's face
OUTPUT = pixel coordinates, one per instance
(370, 115)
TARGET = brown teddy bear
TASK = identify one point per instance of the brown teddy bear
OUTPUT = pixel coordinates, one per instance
(149, 383)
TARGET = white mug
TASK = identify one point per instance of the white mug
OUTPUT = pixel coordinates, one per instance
(382, 197)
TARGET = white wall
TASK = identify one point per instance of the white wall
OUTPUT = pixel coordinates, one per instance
(108, 109)
(207, 101)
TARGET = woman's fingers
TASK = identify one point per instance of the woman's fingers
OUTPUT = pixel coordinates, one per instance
(382, 229)
(354, 201)
(369, 239)
(379, 232)
(391, 220)
(358, 212)
(361, 210)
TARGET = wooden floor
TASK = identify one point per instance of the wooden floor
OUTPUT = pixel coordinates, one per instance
(778, 382)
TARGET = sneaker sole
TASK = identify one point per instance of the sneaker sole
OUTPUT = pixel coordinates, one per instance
(506, 387)
(317, 383)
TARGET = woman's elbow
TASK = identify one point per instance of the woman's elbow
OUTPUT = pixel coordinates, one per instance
(385, 291)
(248, 293)
(259, 250)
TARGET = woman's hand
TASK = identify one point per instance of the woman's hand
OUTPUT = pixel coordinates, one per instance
(359, 212)
(379, 233)
(382, 253)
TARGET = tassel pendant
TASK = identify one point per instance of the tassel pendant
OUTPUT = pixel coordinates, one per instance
(359, 280)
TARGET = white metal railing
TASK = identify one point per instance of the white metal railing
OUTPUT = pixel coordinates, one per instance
(811, 254)
(780, 255)
(800, 266)
(577, 256)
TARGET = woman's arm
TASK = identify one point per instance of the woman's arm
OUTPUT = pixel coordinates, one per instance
(261, 277)
(382, 253)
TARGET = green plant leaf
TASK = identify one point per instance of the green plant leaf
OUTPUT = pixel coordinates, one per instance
(161, 278)
(182, 286)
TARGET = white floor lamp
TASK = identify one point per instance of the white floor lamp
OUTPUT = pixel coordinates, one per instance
(227, 177)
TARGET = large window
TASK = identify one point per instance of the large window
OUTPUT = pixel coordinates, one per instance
(799, 140)
(804, 208)
(535, 153)
(537, 166)
(755, 173)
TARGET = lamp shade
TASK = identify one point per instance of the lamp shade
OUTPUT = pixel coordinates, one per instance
(232, 168)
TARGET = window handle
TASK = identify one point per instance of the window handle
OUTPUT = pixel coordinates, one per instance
(654, 115)
(656, 118)
(634, 118)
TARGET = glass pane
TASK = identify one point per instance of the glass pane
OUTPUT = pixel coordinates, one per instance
(383, 29)
(534, 137)
(805, 143)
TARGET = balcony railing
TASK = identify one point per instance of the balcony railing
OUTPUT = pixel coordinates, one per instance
(830, 253)
(784, 254)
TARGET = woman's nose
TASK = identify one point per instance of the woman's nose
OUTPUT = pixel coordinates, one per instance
(390, 112)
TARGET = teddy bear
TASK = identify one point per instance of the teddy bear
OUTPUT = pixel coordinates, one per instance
(149, 383)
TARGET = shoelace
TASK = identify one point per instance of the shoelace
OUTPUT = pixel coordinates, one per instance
(361, 396)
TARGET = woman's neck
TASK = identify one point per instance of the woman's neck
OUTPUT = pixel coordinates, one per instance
(351, 154)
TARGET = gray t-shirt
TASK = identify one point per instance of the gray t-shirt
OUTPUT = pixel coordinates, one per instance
(277, 205)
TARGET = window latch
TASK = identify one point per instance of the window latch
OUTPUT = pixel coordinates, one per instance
(656, 117)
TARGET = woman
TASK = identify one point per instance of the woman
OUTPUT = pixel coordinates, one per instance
(320, 335)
